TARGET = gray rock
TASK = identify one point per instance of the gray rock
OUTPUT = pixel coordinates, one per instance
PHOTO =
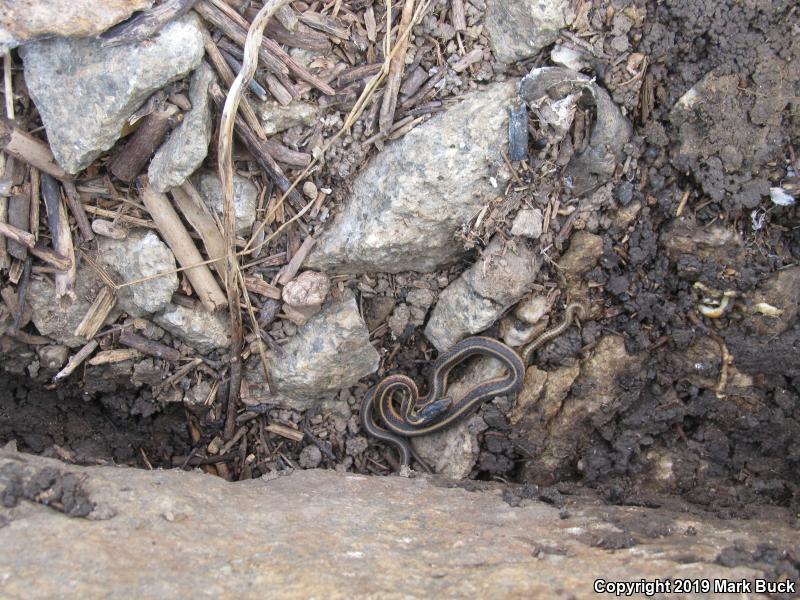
(52, 357)
(202, 330)
(532, 309)
(518, 29)
(304, 295)
(594, 166)
(323, 534)
(475, 300)
(276, 118)
(310, 457)
(330, 352)
(21, 21)
(187, 145)
(142, 254)
(409, 202)
(245, 199)
(86, 93)
(583, 253)
(528, 223)
(58, 319)
(399, 320)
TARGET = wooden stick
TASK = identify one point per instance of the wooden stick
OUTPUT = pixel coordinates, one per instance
(145, 24)
(29, 149)
(76, 208)
(50, 256)
(262, 288)
(75, 360)
(36, 195)
(140, 148)
(97, 313)
(149, 347)
(174, 233)
(286, 155)
(60, 234)
(326, 24)
(225, 72)
(19, 217)
(259, 150)
(457, 16)
(111, 214)
(188, 201)
(289, 271)
(17, 235)
(395, 76)
(107, 357)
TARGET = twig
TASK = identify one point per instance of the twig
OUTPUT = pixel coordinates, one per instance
(395, 74)
(97, 313)
(60, 234)
(29, 149)
(196, 213)
(225, 167)
(175, 234)
(151, 132)
(145, 24)
(149, 347)
(75, 360)
(76, 208)
(8, 84)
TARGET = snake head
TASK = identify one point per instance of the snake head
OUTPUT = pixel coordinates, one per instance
(435, 409)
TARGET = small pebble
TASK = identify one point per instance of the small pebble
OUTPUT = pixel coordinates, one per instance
(310, 457)
(356, 445)
(310, 190)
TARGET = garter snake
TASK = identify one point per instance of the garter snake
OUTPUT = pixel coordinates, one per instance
(384, 419)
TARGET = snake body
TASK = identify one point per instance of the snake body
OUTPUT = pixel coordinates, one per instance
(387, 419)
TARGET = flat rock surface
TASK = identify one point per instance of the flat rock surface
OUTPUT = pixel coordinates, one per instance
(85, 93)
(408, 203)
(321, 534)
(520, 28)
(22, 20)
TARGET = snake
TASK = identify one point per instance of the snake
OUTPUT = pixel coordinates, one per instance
(383, 418)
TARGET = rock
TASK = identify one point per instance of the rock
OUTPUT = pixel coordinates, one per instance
(583, 253)
(245, 199)
(778, 291)
(532, 309)
(310, 457)
(58, 319)
(202, 330)
(516, 333)
(408, 203)
(454, 451)
(500, 277)
(305, 294)
(187, 145)
(378, 310)
(52, 357)
(519, 29)
(528, 223)
(142, 254)
(306, 535)
(25, 20)
(276, 118)
(573, 402)
(546, 87)
(330, 352)
(399, 320)
(85, 93)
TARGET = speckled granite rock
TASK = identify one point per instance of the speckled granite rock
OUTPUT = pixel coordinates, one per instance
(85, 93)
(409, 202)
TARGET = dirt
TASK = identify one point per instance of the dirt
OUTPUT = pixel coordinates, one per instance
(716, 161)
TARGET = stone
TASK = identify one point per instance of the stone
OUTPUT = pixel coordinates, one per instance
(408, 203)
(304, 295)
(187, 145)
(322, 534)
(58, 319)
(399, 320)
(528, 223)
(52, 357)
(85, 93)
(142, 254)
(276, 118)
(310, 457)
(583, 253)
(519, 29)
(453, 451)
(245, 199)
(532, 309)
(25, 20)
(202, 330)
(500, 278)
(330, 352)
